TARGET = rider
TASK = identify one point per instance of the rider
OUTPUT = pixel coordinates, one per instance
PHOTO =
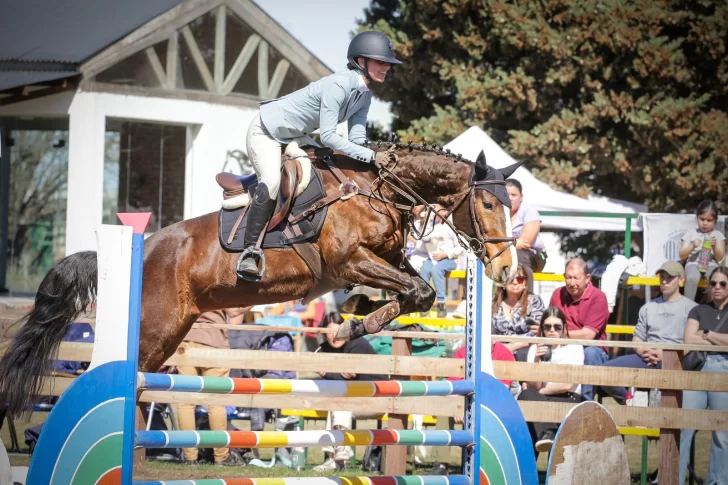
(322, 104)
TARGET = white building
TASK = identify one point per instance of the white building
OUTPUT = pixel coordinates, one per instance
(113, 106)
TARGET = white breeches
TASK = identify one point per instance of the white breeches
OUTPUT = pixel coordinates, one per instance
(265, 154)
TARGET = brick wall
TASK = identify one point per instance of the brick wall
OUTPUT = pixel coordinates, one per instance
(145, 147)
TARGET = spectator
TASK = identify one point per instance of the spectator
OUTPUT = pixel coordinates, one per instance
(526, 224)
(416, 250)
(708, 325)
(207, 338)
(513, 307)
(586, 310)
(443, 251)
(692, 246)
(660, 320)
(336, 457)
(553, 325)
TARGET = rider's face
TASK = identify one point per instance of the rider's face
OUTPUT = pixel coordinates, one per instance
(378, 70)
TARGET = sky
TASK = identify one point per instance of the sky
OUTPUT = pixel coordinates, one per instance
(325, 28)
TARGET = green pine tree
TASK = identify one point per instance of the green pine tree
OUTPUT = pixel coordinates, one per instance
(623, 98)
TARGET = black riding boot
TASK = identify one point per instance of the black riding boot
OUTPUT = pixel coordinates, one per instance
(258, 216)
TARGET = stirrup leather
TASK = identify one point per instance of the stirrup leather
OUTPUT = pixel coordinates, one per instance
(258, 257)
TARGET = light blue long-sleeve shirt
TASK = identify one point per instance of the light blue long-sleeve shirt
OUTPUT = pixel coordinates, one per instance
(323, 104)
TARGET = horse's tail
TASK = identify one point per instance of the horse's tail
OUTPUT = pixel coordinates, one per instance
(66, 291)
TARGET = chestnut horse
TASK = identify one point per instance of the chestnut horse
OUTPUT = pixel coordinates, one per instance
(186, 272)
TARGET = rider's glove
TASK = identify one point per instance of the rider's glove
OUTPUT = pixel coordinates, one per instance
(383, 159)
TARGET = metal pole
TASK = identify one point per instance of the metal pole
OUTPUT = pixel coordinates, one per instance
(628, 238)
(151, 415)
(4, 205)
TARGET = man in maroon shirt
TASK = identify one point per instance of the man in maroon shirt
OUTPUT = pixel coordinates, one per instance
(586, 310)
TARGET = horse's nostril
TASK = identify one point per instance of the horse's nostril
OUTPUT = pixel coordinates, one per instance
(505, 272)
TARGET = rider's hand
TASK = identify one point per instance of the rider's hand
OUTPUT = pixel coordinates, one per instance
(383, 159)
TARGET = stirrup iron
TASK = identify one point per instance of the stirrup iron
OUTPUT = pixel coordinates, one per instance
(258, 257)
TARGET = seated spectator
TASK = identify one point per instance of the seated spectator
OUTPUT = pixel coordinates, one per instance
(553, 325)
(513, 307)
(207, 338)
(443, 250)
(336, 457)
(526, 224)
(586, 310)
(708, 325)
(660, 320)
(692, 247)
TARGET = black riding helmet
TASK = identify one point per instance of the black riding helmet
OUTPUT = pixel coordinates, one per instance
(370, 45)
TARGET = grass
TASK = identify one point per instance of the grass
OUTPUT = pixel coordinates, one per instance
(152, 470)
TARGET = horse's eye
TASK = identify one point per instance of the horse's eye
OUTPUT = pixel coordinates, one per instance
(488, 206)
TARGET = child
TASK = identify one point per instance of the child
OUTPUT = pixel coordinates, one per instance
(692, 245)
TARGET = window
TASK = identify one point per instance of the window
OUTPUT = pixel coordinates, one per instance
(38, 157)
(144, 171)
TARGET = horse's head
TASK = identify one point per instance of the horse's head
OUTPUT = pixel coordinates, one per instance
(476, 195)
(484, 215)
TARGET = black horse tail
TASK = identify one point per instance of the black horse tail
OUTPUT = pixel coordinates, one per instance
(65, 292)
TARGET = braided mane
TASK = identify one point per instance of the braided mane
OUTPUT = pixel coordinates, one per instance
(380, 145)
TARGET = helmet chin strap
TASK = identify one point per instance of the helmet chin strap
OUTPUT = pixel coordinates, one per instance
(366, 69)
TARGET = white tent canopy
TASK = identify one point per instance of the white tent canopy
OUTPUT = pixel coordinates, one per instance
(544, 198)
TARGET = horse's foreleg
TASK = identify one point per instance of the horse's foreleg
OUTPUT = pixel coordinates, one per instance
(368, 269)
(361, 304)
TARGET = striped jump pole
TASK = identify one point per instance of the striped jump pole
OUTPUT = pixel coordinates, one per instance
(285, 439)
(302, 387)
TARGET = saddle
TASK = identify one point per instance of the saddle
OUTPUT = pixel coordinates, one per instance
(239, 190)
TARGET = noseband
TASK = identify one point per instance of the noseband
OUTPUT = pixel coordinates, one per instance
(475, 244)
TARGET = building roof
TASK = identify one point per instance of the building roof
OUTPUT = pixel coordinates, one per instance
(12, 79)
(43, 40)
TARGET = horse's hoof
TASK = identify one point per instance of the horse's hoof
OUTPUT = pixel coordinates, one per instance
(351, 329)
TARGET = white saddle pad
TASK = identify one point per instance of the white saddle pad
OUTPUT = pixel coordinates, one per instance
(292, 150)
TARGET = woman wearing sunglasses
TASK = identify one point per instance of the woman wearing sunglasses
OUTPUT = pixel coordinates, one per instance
(553, 325)
(514, 307)
(708, 325)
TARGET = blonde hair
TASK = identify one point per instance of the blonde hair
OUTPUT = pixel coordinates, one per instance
(501, 295)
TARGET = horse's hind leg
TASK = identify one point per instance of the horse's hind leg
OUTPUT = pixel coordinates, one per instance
(366, 268)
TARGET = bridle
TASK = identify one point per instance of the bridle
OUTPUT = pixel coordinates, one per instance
(475, 244)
